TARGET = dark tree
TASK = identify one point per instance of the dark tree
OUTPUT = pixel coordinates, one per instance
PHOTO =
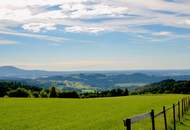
(113, 92)
(166, 86)
(126, 92)
(53, 92)
(119, 92)
(71, 94)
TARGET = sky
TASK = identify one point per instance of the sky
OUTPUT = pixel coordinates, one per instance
(95, 34)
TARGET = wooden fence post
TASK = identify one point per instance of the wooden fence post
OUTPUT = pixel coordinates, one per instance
(174, 116)
(165, 119)
(128, 124)
(182, 107)
(153, 121)
(189, 101)
(186, 104)
(179, 110)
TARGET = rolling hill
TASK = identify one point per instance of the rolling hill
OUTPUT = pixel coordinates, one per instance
(92, 79)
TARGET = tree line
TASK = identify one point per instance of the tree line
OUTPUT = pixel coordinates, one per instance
(165, 86)
(16, 89)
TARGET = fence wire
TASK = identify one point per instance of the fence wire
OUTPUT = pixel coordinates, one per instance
(144, 124)
(164, 120)
(159, 122)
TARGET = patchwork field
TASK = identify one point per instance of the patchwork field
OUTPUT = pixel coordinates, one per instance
(77, 114)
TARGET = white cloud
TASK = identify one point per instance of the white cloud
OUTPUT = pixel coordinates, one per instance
(36, 15)
(7, 42)
(187, 21)
(51, 39)
(93, 11)
(36, 27)
(162, 34)
(84, 29)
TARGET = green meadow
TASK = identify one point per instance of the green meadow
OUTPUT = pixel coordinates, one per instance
(79, 114)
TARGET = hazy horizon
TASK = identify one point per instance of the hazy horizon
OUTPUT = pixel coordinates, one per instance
(106, 70)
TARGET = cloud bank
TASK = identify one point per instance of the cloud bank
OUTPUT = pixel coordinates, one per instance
(7, 42)
(93, 16)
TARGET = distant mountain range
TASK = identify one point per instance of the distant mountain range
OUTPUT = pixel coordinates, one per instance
(13, 72)
(90, 79)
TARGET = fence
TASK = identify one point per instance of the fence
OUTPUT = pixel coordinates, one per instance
(178, 111)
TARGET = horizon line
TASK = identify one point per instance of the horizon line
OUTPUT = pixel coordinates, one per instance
(100, 70)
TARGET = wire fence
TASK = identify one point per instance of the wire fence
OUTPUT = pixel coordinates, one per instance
(164, 120)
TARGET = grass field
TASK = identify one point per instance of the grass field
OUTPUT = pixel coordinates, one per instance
(77, 114)
(185, 124)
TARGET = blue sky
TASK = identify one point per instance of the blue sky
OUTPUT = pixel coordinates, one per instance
(95, 34)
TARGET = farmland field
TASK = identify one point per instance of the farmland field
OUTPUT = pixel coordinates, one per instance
(77, 114)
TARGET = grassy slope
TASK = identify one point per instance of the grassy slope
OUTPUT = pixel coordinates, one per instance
(76, 114)
(185, 124)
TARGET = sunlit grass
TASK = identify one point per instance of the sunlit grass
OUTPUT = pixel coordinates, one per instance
(79, 114)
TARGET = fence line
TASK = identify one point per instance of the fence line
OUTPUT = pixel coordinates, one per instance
(182, 107)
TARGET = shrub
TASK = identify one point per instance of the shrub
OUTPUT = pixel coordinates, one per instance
(43, 94)
(19, 92)
(71, 94)
(35, 94)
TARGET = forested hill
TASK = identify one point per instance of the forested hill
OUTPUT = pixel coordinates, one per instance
(166, 86)
(6, 86)
(97, 80)
(16, 89)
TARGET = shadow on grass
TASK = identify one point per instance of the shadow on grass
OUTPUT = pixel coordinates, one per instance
(185, 123)
(187, 114)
